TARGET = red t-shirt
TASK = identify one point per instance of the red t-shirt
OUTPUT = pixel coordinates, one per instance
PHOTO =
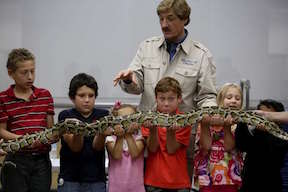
(164, 170)
(26, 116)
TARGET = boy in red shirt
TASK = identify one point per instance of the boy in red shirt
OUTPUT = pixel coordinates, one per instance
(166, 164)
(25, 109)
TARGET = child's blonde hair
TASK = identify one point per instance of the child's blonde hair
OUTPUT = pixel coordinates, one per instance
(123, 109)
(223, 91)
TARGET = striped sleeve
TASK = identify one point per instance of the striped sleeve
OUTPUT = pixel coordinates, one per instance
(47, 94)
(3, 112)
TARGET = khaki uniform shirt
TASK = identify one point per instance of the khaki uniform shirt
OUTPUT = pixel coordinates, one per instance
(191, 65)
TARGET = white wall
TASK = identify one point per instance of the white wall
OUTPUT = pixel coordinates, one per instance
(248, 39)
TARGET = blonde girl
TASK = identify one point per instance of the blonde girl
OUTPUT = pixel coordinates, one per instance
(217, 163)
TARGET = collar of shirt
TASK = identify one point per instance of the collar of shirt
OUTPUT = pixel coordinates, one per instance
(35, 93)
(171, 46)
(179, 42)
(79, 116)
(183, 43)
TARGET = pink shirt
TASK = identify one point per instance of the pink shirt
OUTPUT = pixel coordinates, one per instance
(126, 174)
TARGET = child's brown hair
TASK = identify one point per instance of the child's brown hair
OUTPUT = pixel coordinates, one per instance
(167, 84)
(18, 55)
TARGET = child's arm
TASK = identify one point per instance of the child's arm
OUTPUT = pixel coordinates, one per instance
(205, 140)
(75, 142)
(50, 121)
(229, 140)
(135, 147)
(5, 134)
(50, 124)
(115, 149)
(281, 117)
(171, 143)
(99, 140)
(152, 140)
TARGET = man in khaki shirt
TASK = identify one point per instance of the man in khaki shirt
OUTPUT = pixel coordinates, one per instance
(175, 55)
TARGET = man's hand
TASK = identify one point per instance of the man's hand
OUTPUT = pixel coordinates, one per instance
(125, 75)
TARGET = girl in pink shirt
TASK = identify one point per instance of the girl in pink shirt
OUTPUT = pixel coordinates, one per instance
(126, 158)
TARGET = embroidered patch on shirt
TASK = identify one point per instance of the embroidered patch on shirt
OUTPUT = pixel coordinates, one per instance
(189, 61)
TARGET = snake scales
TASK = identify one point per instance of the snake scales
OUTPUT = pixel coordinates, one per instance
(74, 126)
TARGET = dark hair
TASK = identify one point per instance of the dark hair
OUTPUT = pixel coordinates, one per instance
(270, 103)
(80, 80)
(18, 55)
(168, 84)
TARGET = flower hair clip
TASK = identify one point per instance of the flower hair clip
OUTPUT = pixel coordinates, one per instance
(117, 104)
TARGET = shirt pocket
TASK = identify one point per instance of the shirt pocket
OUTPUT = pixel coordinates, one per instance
(151, 69)
(187, 77)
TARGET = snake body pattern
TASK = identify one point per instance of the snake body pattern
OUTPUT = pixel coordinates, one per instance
(74, 126)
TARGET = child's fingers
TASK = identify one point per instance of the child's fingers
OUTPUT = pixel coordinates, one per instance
(118, 130)
(136, 126)
(109, 131)
(261, 127)
(147, 124)
(173, 127)
(228, 121)
(132, 127)
(2, 152)
(260, 112)
(217, 120)
(205, 121)
(35, 144)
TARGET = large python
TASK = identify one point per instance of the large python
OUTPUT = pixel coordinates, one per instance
(75, 126)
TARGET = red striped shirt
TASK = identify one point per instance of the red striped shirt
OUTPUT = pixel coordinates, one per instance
(24, 116)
